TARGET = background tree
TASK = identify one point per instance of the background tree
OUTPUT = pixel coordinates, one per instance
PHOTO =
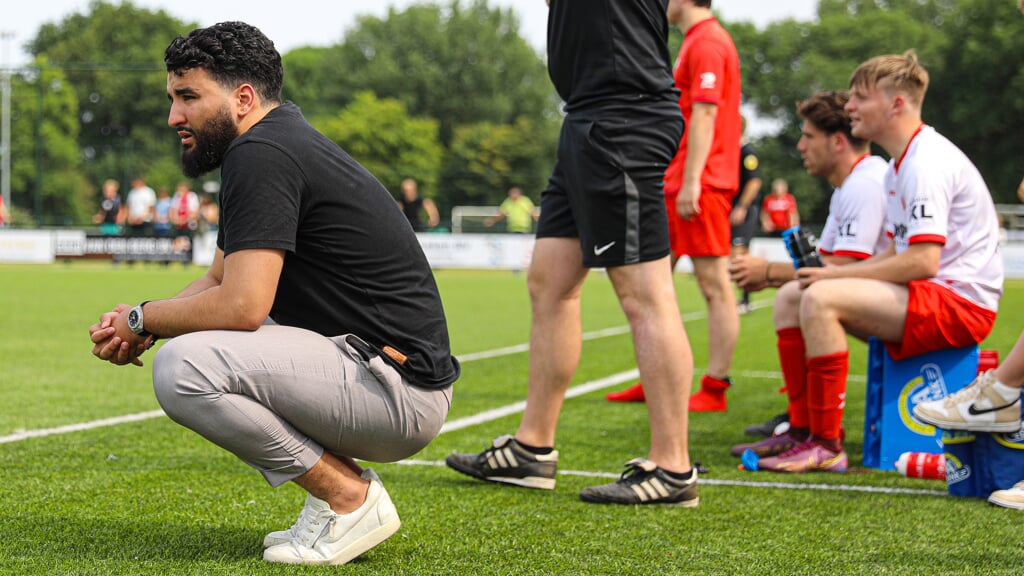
(113, 59)
(46, 185)
(458, 64)
(393, 146)
(978, 99)
(485, 160)
(788, 60)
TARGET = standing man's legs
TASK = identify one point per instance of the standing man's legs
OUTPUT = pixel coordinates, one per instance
(663, 356)
(555, 279)
(712, 275)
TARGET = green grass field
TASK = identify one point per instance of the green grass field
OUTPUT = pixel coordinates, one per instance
(150, 497)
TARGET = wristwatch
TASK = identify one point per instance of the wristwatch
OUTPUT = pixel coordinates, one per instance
(135, 323)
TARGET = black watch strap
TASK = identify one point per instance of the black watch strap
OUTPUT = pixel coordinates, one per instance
(144, 331)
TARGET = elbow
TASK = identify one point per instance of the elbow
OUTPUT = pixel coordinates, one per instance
(930, 269)
(252, 319)
(924, 268)
(249, 315)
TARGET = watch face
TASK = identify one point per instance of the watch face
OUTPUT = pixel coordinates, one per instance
(133, 319)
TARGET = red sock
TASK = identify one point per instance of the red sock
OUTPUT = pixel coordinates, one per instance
(826, 393)
(793, 360)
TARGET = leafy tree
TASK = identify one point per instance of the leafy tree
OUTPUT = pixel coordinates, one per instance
(789, 60)
(45, 160)
(304, 79)
(381, 135)
(977, 99)
(456, 63)
(485, 160)
(113, 59)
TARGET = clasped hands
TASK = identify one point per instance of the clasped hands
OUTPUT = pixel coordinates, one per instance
(114, 342)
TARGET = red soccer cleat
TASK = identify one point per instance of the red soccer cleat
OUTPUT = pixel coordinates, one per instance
(711, 396)
(634, 393)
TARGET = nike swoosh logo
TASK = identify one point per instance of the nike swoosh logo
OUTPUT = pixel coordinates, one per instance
(979, 411)
(602, 249)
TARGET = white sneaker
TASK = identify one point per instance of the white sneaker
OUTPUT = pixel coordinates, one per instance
(1009, 498)
(321, 536)
(307, 515)
(985, 405)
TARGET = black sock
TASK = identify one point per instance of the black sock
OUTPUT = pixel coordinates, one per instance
(534, 449)
(679, 475)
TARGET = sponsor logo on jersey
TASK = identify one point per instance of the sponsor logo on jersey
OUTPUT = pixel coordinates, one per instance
(708, 80)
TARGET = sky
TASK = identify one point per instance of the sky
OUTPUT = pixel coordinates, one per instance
(324, 22)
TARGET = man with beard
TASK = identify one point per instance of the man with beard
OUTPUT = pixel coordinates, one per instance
(309, 342)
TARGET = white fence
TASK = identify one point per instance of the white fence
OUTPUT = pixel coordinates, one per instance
(484, 251)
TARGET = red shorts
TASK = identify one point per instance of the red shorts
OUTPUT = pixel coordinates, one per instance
(939, 318)
(709, 233)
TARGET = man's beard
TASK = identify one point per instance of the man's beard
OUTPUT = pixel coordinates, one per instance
(211, 142)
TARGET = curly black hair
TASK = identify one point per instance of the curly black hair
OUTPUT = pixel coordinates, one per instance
(233, 53)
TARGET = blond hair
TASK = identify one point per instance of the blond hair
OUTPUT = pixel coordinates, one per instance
(893, 72)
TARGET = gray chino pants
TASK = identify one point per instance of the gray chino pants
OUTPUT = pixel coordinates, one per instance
(279, 396)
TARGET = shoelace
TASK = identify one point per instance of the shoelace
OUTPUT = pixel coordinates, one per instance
(801, 447)
(634, 472)
(969, 392)
(312, 529)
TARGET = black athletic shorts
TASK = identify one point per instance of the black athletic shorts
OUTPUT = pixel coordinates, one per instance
(607, 187)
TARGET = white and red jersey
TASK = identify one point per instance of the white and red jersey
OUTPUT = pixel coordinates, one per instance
(936, 194)
(856, 214)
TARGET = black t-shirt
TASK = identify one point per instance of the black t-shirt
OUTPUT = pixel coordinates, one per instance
(609, 52)
(411, 209)
(750, 168)
(110, 207)
(352, 263)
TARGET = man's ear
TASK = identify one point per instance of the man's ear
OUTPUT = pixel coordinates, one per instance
(899, 104)
(246, 99)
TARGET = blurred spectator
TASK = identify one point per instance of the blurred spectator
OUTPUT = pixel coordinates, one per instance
(184, 209)
(5, 216)
(413, 205)
(209, 214)
(112, 214)
(162, 212)
(778, 211)
(141, 206)
(519, 212)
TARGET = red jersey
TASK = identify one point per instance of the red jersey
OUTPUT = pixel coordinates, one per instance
(778, 208)
(708, 70)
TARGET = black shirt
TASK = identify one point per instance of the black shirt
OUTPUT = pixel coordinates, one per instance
(352, 263)
(411, 209)
(750, 168)
(609, 52)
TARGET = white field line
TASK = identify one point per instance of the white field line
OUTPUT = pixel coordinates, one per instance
(42, 432)
(743, 483)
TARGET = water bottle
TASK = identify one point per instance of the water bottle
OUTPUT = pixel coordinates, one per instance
(922, 465)
(802, 247)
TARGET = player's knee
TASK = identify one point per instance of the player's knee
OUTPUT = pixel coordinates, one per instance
(177, 383)
(816, 300)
